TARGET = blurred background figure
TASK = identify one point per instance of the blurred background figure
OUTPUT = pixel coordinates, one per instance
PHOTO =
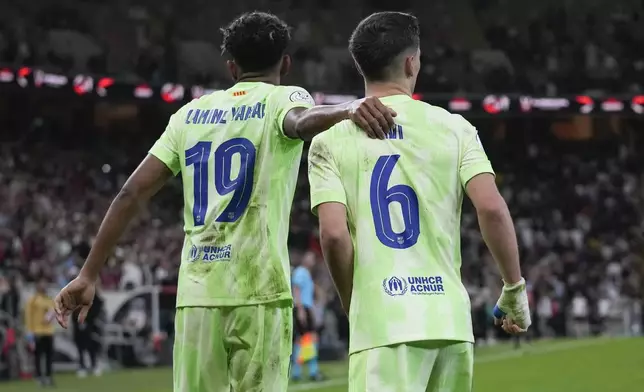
(482, 301)
(9, 298)
(580, 313)
(39, 322)
(137, 318)
(305, 350)
(87, 337)
(10, 312)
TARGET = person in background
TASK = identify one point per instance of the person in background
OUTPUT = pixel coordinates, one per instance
(319, 308)
(10, 296)
(131, 275)
(545, 312)
(86, 337)
(481, 298)
(9, 315)
(137, 318)
(305, 350)
(580, 313)
(39, 318)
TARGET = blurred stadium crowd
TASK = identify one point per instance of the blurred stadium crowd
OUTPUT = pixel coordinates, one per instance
(577, 205)
(476, 46)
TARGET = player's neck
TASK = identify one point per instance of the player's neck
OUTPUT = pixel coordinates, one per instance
(254, 77)
(384, 89)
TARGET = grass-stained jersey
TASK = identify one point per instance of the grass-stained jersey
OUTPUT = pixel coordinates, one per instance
(403, 197)
(239, 173)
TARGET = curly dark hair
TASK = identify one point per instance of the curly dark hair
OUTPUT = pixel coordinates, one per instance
(379, 39)
(256, 40)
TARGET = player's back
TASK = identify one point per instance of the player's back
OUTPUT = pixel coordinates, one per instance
(239, 174)
(404, 198)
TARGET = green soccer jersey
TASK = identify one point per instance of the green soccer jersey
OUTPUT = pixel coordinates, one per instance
(403, 197)
(239, 173)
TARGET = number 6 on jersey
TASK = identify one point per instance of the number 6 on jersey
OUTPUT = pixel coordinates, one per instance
(382, 197)
(242, 185)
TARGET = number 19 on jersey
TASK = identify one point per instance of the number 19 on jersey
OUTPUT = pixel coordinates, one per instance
(242, 185)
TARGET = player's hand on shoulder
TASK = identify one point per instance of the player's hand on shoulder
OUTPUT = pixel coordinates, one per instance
(512, 311)
(372, 116)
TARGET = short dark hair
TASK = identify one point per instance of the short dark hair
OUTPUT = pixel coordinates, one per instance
(379, 39)
(256, 40)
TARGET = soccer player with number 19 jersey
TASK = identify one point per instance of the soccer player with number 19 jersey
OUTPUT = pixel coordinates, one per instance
(389, 215)
(238, 152)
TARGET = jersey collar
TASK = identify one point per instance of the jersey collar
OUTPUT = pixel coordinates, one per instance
(396, 98)
(244, 85)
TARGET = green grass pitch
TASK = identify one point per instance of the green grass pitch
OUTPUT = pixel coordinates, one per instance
(593, 365)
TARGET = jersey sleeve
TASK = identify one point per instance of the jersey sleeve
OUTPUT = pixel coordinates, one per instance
(324, 176)
(167, 148)
(287, 98)
(473, 160)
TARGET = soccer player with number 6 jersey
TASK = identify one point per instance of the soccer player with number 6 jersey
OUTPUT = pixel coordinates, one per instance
(389, 214)
(238, 152)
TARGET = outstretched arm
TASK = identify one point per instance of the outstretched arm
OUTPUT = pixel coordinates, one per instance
(368, 113)
(146, 181)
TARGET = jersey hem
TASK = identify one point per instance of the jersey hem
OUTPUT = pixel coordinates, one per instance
(316, 204)
(410, 339)
(218, 302)
(284, 113)
(470, 174)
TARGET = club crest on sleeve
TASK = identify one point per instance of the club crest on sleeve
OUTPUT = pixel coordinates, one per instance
(301, 96)
(395, 286)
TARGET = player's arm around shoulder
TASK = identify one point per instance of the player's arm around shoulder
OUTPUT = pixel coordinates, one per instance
(301, 120)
